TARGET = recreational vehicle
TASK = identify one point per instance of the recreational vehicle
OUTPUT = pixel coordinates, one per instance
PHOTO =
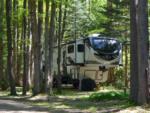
(89, 57)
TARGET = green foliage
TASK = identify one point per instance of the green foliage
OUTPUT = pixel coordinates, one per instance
(77, 21)
(110, 17)
(119, 76)
(4, 84)
(117, 19)
(111, 95)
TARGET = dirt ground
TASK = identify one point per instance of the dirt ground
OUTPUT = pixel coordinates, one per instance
(66, 103)
(12, 106)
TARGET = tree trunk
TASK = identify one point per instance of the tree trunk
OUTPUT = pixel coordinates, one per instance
(35, 42)
(134, 53)
(28, 52)
(139, 50)
(9, 45)
(126, 68)
(25, 55)
(64, 20)
(30, 56)
(14, 37)
(49, 59)
(143, 50)
(40, 22)
(46, 52)
(62, 36)
(59, 48)
(1, 44)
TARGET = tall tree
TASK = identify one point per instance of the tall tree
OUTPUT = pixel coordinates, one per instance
(139, 50)
(40, 22)
(46, 45)
(1, 43)
(49, 58)
(35, 42)
(30, 49)
(25, 55)
(14, 37)
(62, 35)
(64, 19)
(59, 47)
(9, 45)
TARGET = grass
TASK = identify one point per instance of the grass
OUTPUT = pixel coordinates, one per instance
(107, 100)
(111, 95)
(73, 99)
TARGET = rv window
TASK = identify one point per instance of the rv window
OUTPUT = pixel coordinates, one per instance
(80, 48)
(70, 48)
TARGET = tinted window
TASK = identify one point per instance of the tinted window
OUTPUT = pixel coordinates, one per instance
(105, 45)
(80, 48)
(70, 48)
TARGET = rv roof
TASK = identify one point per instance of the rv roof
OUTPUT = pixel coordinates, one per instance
(95, 35)
(90, 36)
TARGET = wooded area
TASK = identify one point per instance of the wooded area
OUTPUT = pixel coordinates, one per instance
(30, 29)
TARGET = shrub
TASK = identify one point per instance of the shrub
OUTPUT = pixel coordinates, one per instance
(119, 76)
(88, 84)
(112, 95)
(4, 84)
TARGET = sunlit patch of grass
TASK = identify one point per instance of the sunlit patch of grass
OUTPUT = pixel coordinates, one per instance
(66, 92)
(92, 109)
(42, 104)
(72, 94)
(135, 109)
(111, 95)
(18, 91)
(4, 93)
(52, 105)
(62, 107)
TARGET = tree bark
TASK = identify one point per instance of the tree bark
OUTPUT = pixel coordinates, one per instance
(46, 52)
(40, 22)
(14, 36)
(139, 50)
(49, 59)
(35, 42)
(1, 44)
(25, 53)
(30, 49)
(134, 53)
(9, 45)
(59, 48)
(142, 49)
(62, 36)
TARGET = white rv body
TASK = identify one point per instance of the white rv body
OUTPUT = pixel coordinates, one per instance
(82, 59)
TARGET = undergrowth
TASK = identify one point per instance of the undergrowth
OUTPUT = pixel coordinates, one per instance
(111, 95)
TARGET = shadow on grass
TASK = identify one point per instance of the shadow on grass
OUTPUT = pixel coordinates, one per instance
(18, 103)
(75, 101)
(72, 101)
(90, 106)
(13, 106)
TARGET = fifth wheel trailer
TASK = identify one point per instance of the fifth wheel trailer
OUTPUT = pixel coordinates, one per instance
(89, 57)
